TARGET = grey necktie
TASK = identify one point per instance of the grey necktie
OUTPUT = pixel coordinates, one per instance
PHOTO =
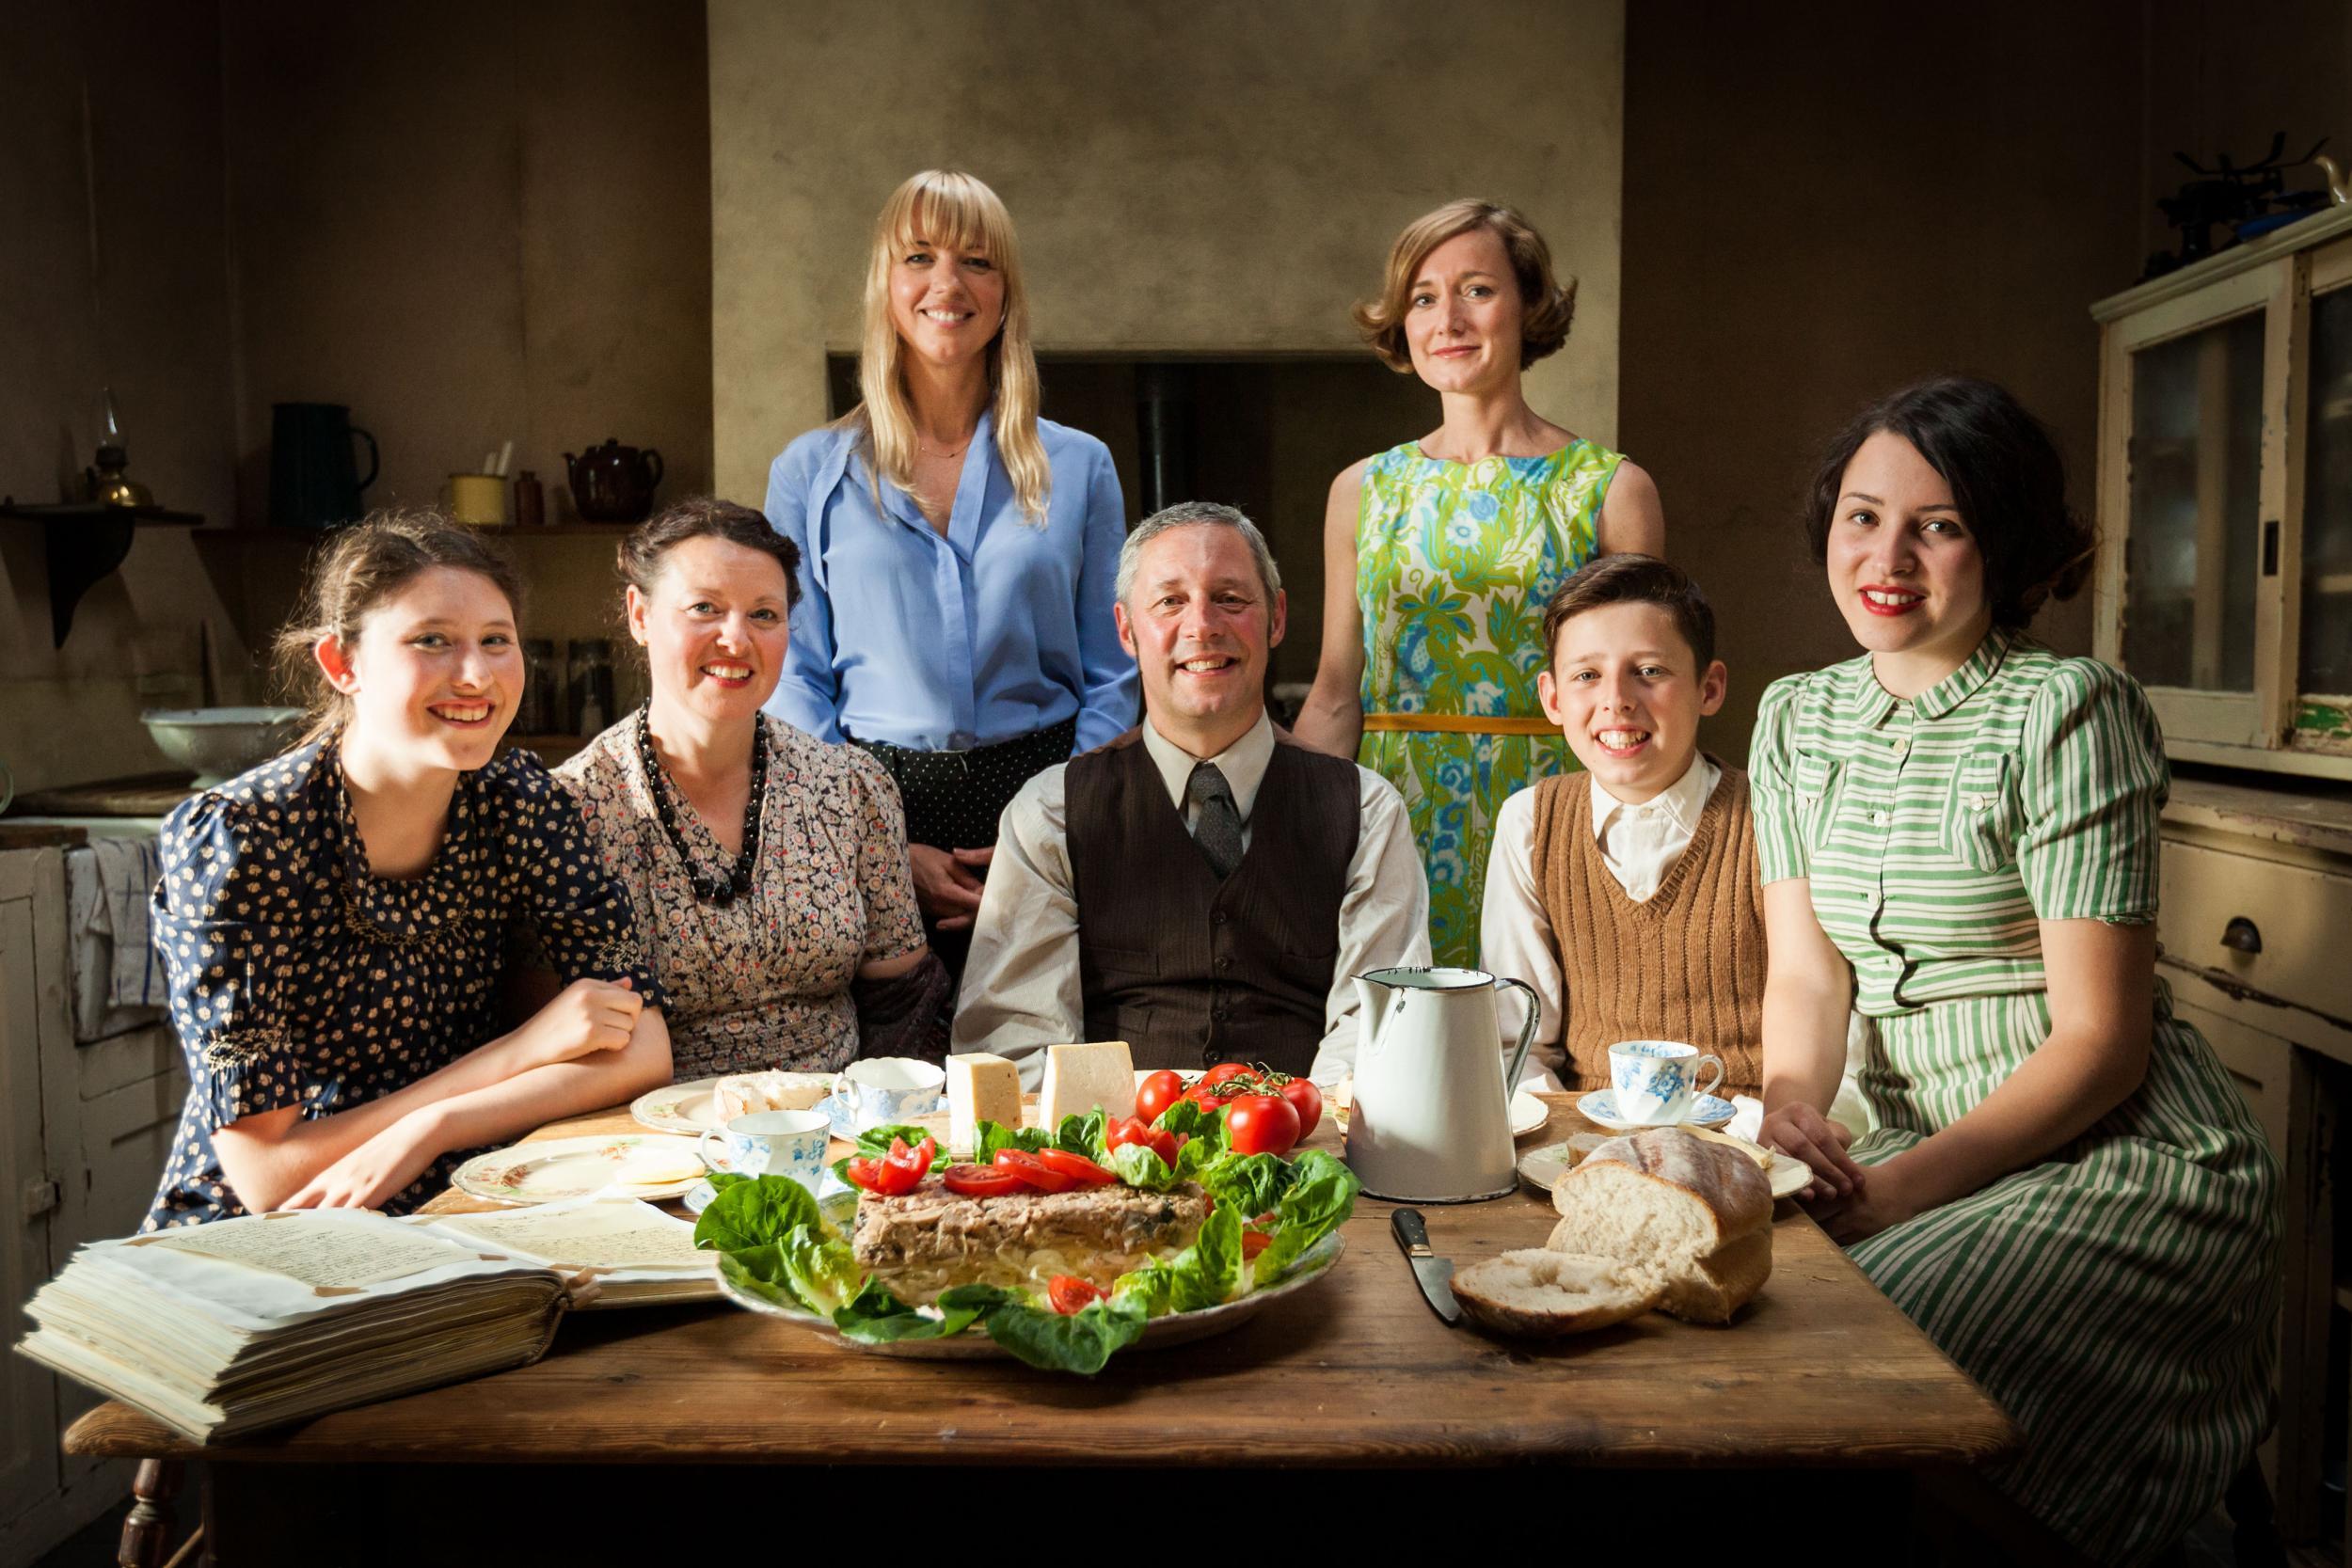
(1216, 824)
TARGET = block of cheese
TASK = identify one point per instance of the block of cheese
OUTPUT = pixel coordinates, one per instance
(980, 1087)
(1078, 1078)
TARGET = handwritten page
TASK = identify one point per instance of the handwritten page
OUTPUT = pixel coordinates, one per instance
(604, 1235)
(323, 1250)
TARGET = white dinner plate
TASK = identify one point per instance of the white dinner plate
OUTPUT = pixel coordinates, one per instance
(575, 1167)
(1176, 1329)
(1601, 1108)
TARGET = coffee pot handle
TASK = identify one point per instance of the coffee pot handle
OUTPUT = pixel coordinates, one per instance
(375, 459)
(1527, 1034)
(652, 460)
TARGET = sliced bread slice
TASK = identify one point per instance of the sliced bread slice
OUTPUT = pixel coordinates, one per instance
(1538, 1294)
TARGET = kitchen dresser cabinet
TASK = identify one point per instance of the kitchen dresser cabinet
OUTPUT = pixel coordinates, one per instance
(2256, 932)
(84, 1129)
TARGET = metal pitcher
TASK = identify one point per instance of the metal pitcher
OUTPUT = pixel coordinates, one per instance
(1431, 1117)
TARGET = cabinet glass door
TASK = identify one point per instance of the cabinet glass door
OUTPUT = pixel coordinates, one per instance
(2194, 542)
(2326, 638)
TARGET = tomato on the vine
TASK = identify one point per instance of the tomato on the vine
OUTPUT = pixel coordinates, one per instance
(1261, 1124)
(1306, 1100)
(1068, 1293)
(1156, 1093)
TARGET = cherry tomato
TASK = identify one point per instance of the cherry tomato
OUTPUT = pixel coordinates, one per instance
(1033, 1172)
(1082, 1171)
(1261, 1124)
(1222, 1071)
(1157, 1093)
(982, 1180)
(1068, 1293)
(1254, 1242)
(1307, 1102)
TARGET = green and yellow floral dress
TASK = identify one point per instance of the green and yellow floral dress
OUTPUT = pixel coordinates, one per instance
(1454, 564)
(2120, 1296)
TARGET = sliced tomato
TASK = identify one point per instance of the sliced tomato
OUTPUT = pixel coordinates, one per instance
(917, 1160)
(1082, 1171)
(864, 1174)
(1164, 1144)
(1038, 1176)
(982, 1181)
(1120, 1131)
(1157, 1093)
(1254, 1242)
(1068, 1293)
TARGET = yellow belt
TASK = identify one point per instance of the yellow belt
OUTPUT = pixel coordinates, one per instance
(1455, 723)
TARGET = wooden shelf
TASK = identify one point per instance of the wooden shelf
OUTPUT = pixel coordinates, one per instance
(505, 530)
(86, 541)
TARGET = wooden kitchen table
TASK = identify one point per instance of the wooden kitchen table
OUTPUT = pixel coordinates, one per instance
(1821, 1377)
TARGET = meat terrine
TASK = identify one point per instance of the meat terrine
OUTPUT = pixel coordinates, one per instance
(931, 1239)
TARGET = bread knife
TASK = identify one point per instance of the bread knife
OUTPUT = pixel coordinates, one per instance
(1434, 1275)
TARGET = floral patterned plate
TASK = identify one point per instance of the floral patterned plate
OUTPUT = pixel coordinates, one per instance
(679, 1107)
(637, 1165)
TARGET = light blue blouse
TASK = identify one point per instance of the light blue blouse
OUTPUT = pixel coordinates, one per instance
(939, 643)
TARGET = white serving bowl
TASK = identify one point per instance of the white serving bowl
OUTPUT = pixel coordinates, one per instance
(221, 742)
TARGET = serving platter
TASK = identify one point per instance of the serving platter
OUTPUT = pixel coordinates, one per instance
(973, 1344)
(1541, 1167)
(576, 1167)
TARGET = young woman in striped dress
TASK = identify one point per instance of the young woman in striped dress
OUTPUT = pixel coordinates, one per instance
(1958, 835)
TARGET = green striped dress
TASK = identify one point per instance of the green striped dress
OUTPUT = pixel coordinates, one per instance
(2120, 1298)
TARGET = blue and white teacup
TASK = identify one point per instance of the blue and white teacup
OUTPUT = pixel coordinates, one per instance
(1656, 1082)
(772, 1143)
(885, 1090)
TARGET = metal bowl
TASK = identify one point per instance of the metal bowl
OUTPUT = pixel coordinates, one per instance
(221, 742)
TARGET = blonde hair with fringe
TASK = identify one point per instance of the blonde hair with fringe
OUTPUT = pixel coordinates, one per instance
(948, 207)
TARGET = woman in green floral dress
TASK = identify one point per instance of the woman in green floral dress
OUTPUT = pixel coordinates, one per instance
(1439, 554)
(1957, 837)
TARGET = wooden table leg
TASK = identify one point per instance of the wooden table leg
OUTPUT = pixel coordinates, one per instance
(147, 1530)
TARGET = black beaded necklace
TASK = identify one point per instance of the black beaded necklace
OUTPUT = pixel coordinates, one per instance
(738, 883)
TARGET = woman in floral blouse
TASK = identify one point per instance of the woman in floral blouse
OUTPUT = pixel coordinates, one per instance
(767, 869)
(335, 923)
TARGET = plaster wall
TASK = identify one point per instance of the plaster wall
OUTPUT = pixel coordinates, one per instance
(112, 272)
(1218, 177)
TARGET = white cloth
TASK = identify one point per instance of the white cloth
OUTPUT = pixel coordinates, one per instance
(1638, 844)
(118, 980)
(1021, 989)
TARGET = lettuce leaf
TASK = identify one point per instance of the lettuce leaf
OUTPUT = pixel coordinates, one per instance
(1085, 1135)
(992, 1136)
(1186, 1116)
(759, 1272)
(876, 1317)
(748, 1212)
(821, 1269)
(1253, 1183)
(1206, 1274)
(1322, 1195)
(1079, 1342)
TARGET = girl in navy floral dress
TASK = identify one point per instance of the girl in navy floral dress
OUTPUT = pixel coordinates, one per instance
(335, 922)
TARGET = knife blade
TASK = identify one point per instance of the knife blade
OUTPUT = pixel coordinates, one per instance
(1434, 1275)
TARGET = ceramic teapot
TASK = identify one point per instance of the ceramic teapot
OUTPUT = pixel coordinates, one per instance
(1431, 1119)
(613, 483)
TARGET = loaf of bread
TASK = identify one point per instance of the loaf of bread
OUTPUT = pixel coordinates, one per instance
(1539, 1294)
(1697, 1217)
(744, 1093)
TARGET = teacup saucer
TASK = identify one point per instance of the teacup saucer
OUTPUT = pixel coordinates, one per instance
(1600, 1107)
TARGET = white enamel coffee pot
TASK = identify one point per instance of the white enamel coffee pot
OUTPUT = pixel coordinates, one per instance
(1431, 1117)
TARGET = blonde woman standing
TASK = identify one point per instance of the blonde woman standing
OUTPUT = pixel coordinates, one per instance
(960, 551)
(1440, 554)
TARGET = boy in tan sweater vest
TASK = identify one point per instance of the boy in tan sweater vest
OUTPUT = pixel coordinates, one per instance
(1627, 895)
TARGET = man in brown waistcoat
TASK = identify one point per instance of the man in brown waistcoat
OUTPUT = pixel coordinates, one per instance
(1202, 888)
(1627, 895)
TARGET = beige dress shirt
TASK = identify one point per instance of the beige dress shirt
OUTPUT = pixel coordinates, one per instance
(1021, 987)
(1638, 844)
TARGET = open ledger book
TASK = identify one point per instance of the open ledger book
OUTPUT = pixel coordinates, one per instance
(222, 1329)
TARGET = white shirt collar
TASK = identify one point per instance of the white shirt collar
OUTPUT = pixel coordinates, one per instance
(1681, 802)
(1242, 763)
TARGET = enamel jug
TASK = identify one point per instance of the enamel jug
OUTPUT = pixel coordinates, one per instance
(1431, 1119)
